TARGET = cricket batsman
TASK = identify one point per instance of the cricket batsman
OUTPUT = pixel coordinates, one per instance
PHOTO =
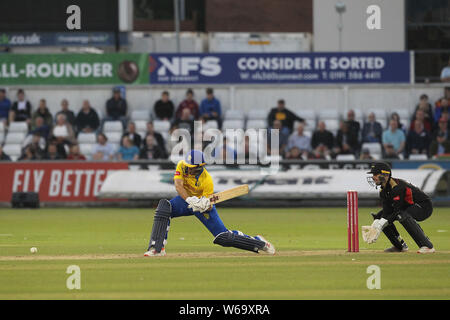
(401, 202)
(194, 186)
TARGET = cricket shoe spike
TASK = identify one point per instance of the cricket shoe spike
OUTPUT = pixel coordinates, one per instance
(426, 250)
(268, 248)
(152, 253)
(395, 249)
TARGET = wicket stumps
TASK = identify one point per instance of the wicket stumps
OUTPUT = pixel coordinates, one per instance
(352, 221)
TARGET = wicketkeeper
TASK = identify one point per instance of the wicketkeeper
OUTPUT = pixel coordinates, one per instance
(194, 186)
(401, 202)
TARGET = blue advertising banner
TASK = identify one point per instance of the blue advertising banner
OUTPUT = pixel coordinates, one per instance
(263, 68)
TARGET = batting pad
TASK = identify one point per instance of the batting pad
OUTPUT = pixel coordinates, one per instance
(229, 239)
(414, 230)
(160, 224)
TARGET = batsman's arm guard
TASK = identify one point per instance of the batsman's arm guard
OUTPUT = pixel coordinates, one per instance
(160, 224)
(230, 239)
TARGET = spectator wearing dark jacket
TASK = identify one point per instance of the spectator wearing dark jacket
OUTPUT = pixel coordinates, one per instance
(87, 119)
(116, 108)
(440, 143)
(156, 137)
(5, 106)
(42, 111)
(418, 140)
(322, 141)
(210, 108)
(164, 107)
(133, 135)
(372, 130)
(426, 107)
(190, 104)
(21, 109)
(70, 116)
(283, 114)
(346, 140)
(151, 149)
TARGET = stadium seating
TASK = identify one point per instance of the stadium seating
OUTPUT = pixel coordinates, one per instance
(15, 137)
(256, 124)
(381, 117)
(87, 150)
(140, 115)
(257, 114)
(345, 157)
(233, 124)
(13, 150)
(161, 126)
(418, 157)
(112, 126)
(86, 138)
(234, 114)
(18, 127)
(210, 124)
(2, 137)
(374, 148)
(114, 137)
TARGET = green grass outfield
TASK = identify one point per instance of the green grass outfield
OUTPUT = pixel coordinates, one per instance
(311, 262)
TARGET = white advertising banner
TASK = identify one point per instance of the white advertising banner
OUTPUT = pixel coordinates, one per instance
(292, 184)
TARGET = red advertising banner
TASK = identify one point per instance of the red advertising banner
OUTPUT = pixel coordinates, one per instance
(56, 181)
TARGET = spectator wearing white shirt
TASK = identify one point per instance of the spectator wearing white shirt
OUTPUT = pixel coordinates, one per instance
(298, 145)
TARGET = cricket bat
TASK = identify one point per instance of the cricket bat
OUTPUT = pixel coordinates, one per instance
(228, 194)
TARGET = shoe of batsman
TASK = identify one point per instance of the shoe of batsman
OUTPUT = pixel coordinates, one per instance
(401, 202)
(195, 187)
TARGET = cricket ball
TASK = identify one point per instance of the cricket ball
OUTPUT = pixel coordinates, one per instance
(33, 250)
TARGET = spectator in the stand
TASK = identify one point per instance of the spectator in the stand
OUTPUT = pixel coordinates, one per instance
(37, 142)
(133, 135)
(5, 107)
(75, 154)
(4, 156)
(41, 127)
(164, 107)
(441, 107)
(184, 122)
(42, 111)
(283, 138)
(420, 115)
(426, 107)
(189, 103)
(151, 149)
(322, 141)
(389, 151)
(53, 153)
(63, 131)
(445, 73)
(393, 138)
(156, 137)
(70, 116)
(27, 154)
(353, 126)
(127, 151)
(299, 145)
(441, 141)
(21, 109)
(116, 108)
(365, 155)
(210, 108)
(103, 150)
(395, 116)
(372, 130)
(287, 117)
(87, 119)
(418, 140)
(346, 140)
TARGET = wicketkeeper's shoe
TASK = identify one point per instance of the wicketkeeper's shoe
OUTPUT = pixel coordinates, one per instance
(395, 249)
(426, 250)
(268, 248)
(152, 253)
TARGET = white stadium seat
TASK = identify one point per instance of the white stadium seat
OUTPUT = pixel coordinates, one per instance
(374, 148)
(345, 157)
(325, 114)
(112, 126)
(234, 115)
(233, 124)
(306, 114)
(404, 114)
(13, 150)
(331, 125)
(86, 138)
(15, 137)
(161, 125)
(114, 137)
(87, 149)
(137, 115)
(141, 125)
(18, 127)
(256, 124)
(257, 114)
(418, 157)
